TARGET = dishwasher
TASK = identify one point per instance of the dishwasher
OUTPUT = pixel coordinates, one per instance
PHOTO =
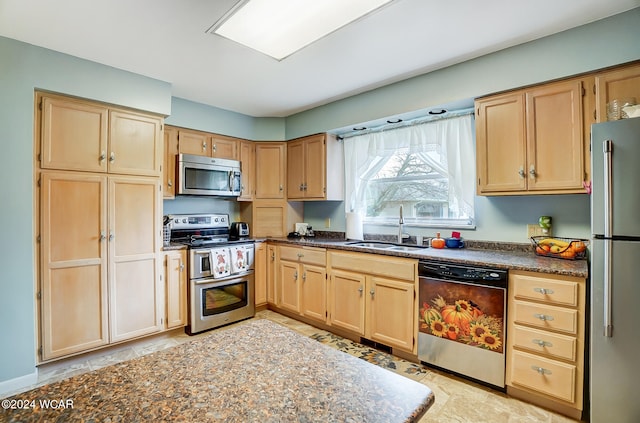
(462, 320)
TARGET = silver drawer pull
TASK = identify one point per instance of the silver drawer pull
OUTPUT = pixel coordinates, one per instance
(541, 370)
(543, 317)
(544, 291)
(542, 343)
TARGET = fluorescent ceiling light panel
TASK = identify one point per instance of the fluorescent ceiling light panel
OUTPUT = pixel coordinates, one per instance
(279, 28)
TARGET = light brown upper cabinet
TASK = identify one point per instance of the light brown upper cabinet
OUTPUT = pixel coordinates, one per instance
(80, 135)
(315, 169)
(207, 144)
(271, 160)
(247, 161)
(616, 84)
(169, 169)
(532, 141)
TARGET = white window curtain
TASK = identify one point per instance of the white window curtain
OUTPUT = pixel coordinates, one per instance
(452, 138)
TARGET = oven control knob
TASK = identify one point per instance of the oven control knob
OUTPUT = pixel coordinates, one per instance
(184, 220)
(216, 220)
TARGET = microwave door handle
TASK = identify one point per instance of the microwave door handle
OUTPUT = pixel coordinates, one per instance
(211, 264)
(231, 181)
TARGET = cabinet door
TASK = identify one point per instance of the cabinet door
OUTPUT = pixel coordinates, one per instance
(555, 156)
(169, 168)
(224, 147)
(74, 135)
(247, 162)
(616, 84)
(135, 144)
(391, 312)
(500, 144)
(295, 169)
(314, 292)
(269, 219)
(193, 142)
(271, 274)
(175, 277)
(261, 273)
(288, 281)
(270, 170)
(135, 304)
(347, 301)
(315, 167)
(73, 258)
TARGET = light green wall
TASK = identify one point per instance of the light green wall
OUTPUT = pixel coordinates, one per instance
(189, 114)
(594, 46)
(600, 44)
(24, 68)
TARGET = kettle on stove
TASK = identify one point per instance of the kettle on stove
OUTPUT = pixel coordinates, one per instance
(238, 230)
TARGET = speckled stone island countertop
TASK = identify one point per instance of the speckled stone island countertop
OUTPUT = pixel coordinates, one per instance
(258, 371)
(503, 255)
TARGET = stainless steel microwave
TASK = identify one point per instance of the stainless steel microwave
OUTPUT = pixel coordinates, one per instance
(201, 175)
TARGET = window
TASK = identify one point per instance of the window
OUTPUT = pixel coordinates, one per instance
(428, 168)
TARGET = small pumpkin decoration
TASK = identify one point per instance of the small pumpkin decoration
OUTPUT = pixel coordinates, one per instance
(454, 314)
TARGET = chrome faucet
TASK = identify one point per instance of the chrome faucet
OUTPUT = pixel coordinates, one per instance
(400, 227)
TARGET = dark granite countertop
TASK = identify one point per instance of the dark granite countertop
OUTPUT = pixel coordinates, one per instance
(513, 257)
(257, 371)
(174, 246)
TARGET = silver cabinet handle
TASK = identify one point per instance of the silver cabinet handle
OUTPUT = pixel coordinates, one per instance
(280, 187)
(541, 370)
(111, 236)
(542, 343)
(295, 276)
(543, 317)
(301, 187)
(304, 276)
(372, 292)
(361, 290)
(543, 291)
(273, 255)
(181, 267)
(112, 157)
(300, 255)
(521, 172)
(102, 236)
(214, 148)
(169, 183)
(103, 156)
(532, 172)
(204, 146)
(607, 148)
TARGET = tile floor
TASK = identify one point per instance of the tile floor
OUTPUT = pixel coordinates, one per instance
(457, 400)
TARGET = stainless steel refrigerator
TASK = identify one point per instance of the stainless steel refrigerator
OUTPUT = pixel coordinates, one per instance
(614, 376)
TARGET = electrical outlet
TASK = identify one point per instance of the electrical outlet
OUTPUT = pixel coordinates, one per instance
(327, 222)
(534, 230)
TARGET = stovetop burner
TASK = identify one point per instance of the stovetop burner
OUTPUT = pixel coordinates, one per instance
(202, 230)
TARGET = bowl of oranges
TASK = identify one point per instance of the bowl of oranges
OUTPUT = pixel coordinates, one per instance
(563, 248)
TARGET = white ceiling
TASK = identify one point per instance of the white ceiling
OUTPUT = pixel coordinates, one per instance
(166, 39)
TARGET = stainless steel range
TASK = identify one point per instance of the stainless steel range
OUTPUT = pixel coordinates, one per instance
(221, 279)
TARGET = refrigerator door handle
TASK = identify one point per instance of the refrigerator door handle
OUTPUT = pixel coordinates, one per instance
(607, 147)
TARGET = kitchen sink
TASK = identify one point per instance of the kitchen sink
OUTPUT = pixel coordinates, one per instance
(404, 248)
(371, 244)
(385, 246)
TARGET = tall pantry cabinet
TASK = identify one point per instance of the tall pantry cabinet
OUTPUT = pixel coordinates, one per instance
(99, 208)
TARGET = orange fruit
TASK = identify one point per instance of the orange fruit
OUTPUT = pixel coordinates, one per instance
(541, 250)
(578, 246)
(568, 253)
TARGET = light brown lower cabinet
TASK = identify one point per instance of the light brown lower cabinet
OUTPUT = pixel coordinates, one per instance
(374, 296)
(175, 282)
(99, 260)
(260, 273)
(546, 340)
(302, 281)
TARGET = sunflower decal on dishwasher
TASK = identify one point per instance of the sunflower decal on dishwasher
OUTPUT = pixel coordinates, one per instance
(453, 316)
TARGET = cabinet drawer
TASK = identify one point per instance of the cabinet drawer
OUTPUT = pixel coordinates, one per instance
(544, 342)
(544, 375)
(547, 317)
(375, 264)
(304, 255)
(547, 289)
